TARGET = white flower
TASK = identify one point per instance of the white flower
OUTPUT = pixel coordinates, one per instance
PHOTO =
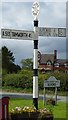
(18, 108)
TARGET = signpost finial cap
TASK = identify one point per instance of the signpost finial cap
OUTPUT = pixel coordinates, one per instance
(35, 9)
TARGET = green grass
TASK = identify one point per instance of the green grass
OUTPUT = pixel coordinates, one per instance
(59, 110)
(18, 90)
(19, 103)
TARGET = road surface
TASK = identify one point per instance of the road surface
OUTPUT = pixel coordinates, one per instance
(29, 96)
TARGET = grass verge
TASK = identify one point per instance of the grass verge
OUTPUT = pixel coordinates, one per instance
(59, 110)
(20, 90)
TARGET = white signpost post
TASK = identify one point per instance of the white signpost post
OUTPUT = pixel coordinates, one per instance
(33, 35)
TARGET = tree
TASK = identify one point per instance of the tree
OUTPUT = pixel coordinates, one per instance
(27, 63)
(7, 57)
(8, 60)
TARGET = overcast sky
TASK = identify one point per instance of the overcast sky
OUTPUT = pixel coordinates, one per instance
(18, 15)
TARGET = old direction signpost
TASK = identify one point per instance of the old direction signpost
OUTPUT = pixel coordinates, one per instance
(33, 35)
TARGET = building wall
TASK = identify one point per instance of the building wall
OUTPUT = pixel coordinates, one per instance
(53, 66)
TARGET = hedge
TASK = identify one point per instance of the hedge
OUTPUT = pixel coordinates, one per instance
(24, 79)
(17, 80)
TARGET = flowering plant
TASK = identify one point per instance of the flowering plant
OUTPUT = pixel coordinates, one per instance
(24, 109)
(30, 113)
(30, 109)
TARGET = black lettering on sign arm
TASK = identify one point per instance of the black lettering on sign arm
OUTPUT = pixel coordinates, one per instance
(6, 33)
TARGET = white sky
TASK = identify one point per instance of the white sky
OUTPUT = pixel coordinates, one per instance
(17, 14)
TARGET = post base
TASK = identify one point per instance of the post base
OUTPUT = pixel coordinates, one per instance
(35, 102)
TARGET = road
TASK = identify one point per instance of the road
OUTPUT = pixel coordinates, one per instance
(29, 96)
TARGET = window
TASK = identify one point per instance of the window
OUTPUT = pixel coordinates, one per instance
(65, 64)
(56, 64)
(49, 63)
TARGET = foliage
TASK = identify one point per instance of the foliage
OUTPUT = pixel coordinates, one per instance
(27, 63)
(24, 109)
(18, 80)
(63, 77)
(30, 113)
(8, 61)
(24, 79)
(50, 101)
(42, 77)
(26, 72)
(7, 54)
(4, 72)
(30, 109)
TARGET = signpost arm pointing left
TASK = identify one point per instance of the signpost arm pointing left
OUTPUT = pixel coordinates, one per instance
(17, 34)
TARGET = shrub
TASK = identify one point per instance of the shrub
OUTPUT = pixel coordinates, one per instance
(18, 80)
(50, 101)
(24, 79)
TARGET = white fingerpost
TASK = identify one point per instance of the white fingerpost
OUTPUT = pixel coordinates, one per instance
(35, 11)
